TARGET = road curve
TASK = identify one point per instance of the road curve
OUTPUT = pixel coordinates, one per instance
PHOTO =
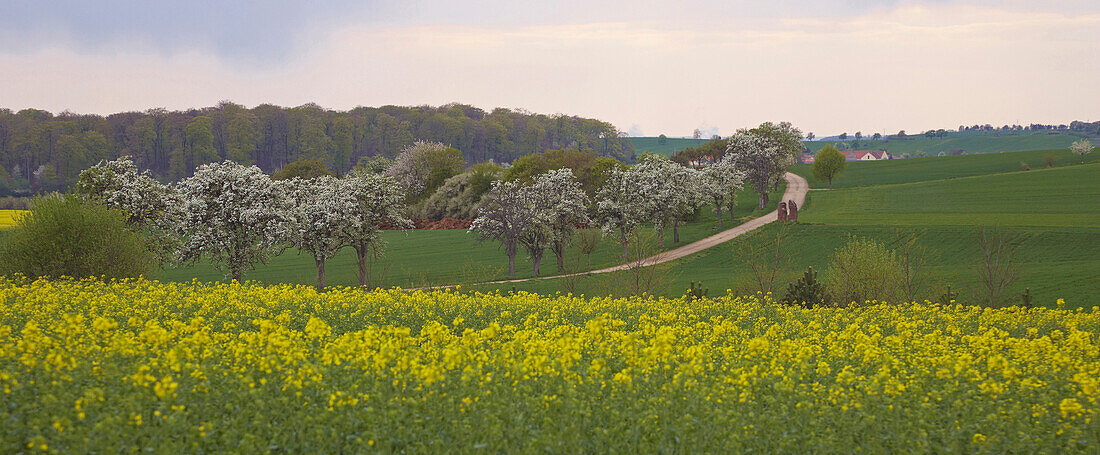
(796, 191)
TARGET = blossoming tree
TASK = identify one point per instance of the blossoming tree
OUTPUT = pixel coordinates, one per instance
(721, 181)
(621, 205)
(324, 217)
(762, 160)
(567, 208)
(379, 201)
(233, 215)
(508, 213)
(146, 202)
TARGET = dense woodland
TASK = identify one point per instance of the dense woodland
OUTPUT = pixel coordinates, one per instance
(40, 151)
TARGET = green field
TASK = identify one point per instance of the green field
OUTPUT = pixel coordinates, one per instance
(1065, 197)
(923, 169)
(671, 145)
(1056, 211)
(425, 258)
(974, 144)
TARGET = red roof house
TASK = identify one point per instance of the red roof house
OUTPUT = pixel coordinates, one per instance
(865, 155)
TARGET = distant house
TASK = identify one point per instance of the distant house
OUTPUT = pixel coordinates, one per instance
(807, 158)
(865, 155)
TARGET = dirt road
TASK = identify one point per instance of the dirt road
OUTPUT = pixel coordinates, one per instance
(796, 191)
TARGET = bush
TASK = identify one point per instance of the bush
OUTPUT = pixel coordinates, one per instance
(1049, 160)
(807, 291)
(64, 236)
(863, 269)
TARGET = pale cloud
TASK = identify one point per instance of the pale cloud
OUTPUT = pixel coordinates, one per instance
(913, 66)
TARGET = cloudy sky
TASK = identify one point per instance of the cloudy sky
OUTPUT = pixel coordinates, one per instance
(828, 66)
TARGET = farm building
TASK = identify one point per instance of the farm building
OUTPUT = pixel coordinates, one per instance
(865, 155)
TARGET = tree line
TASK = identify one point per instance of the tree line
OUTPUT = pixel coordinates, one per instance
(42, 152)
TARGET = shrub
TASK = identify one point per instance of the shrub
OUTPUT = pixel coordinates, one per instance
(1049, 160)
(64, 236)
(863, 269)
(807, 291)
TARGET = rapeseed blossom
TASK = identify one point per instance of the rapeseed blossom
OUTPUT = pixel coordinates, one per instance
(93, 366)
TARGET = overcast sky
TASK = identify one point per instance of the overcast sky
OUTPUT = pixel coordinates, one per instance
(828, 66)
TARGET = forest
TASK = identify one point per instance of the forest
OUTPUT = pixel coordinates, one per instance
(41, 151)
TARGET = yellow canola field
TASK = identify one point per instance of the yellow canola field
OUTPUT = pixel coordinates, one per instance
(91, 366)
(8, 217)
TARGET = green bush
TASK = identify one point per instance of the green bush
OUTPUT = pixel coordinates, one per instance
(864, 269)
(64, 236)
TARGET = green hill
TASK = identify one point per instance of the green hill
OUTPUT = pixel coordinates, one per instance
(935, 168)
(671, 145)
(1055, 211)
(974, 144)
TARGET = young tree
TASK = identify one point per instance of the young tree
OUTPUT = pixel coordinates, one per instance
(721, 181)
(1082, 147)
(325, 216)
(379, 200)
(997, 266)
(508, 212)
(621, 206)
(828, 163)
(568, 209)
(233, 215)
(861, 270)
(303, 169)
(762, 160)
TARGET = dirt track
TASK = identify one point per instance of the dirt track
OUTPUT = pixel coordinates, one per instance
(796, 191)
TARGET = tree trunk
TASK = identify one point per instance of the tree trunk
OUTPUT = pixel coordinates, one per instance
(763, 200)
(361, 261)
(320, 273)
(623, 241)
(511, 263)
(718, 211)
(676, 231)
(559, 251)
(660, 238)
(536, 259)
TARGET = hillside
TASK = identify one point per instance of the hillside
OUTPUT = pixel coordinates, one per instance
(670, 147)
(972, 144)
(935, 168)
(1055, 211)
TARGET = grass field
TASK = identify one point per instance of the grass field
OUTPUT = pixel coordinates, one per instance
(975, 144)
(671, 145)
(422, 258)
(1056, 211)
(937, 168)
(971, 144)
(1066, 196)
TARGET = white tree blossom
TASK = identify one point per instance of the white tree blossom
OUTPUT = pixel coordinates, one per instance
(118, 184)
(325, 217)
(379, 202)
(567, 208)
(672, 191)
(1081, 148)
(233, 215)
(413, 168)
(508, 212)
(721, 181)
(762, 160)
(621, 205)
(146, 202)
